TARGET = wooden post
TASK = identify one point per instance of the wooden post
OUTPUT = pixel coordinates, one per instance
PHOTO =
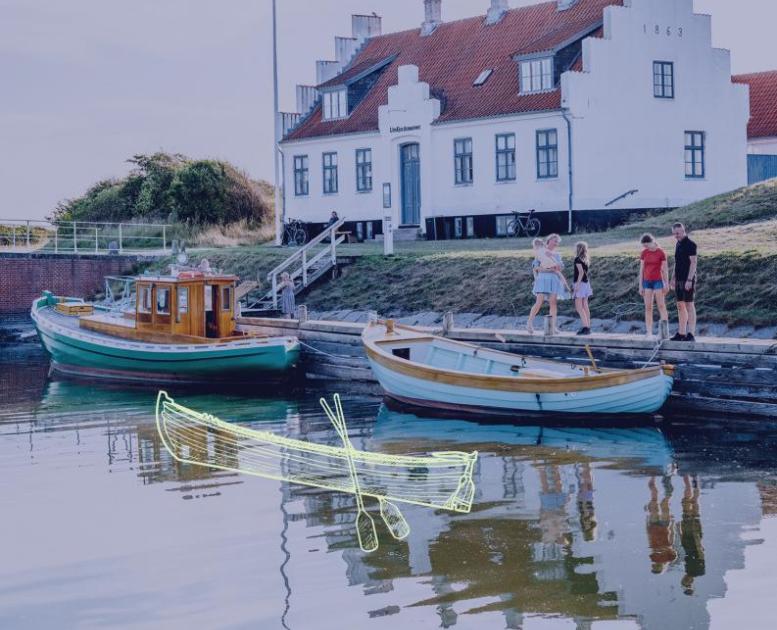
(275, 291)
(302, 313)
(28, 234)
(75, 238)
(548, 326)
(304, 267)
(121, 242)
(447, 323)
(56, 239)
(13, 227)
(164, 238)
(332, 237)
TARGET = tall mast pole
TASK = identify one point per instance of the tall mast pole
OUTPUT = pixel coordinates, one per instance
(276, 126)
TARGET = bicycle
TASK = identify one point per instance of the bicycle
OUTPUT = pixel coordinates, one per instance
(530, 226)
(295, 233)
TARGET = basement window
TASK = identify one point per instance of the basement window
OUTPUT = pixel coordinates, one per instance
(483, 77)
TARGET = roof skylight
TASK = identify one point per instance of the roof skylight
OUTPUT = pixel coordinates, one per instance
(483, 77)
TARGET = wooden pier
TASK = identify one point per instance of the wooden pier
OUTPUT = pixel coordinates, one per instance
(725, 375)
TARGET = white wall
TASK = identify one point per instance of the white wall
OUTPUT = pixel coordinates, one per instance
(762, 146)
(316, 206)
(625, 138)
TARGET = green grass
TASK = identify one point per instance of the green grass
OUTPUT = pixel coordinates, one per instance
(736, 232)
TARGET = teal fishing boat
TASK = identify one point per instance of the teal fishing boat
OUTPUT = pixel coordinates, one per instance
(181, 330)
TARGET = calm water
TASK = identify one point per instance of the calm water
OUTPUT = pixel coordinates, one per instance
(571, 528)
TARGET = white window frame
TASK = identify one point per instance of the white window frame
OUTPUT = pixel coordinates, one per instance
(536, 75)
(335, 104)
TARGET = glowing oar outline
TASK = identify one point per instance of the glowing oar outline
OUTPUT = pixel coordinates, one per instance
(368, 539)
(390, 513)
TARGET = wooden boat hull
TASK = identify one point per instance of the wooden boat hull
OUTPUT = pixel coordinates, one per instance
(440, 480)
(78, 352)
(450, 390)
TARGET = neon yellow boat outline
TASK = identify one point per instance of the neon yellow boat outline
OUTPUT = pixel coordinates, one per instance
(440, 480)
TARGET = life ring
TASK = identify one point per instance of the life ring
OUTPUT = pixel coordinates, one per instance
(190, 275)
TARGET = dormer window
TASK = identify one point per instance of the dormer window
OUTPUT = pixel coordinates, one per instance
(335, 104)
(536, 75)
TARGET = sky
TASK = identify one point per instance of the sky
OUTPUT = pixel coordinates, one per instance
(86, 84)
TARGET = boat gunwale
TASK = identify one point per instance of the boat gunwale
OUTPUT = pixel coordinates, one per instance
(41, 316)
(472, 380)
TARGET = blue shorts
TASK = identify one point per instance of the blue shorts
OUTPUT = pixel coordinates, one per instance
(653, 285)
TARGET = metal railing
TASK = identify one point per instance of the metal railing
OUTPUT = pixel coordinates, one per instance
(301, 255)
(83, 236)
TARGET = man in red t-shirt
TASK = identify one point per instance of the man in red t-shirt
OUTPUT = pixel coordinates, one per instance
(654, 283)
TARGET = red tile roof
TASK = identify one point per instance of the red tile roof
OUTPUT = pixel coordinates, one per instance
(452, 57)
(763, 103)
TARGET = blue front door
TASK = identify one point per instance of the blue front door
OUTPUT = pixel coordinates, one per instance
(410, 158)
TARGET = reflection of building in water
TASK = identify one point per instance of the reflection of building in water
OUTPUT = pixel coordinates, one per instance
(585, 500)
(660, 526)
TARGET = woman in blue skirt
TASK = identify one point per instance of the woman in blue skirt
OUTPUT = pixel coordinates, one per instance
(549, 282)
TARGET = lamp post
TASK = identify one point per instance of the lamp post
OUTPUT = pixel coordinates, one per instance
(276, 127)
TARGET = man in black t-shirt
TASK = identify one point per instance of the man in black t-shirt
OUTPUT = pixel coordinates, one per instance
(684, 283)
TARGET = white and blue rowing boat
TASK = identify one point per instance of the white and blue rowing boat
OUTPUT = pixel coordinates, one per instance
(421, 370)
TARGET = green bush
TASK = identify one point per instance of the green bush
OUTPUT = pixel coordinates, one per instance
(173, 188)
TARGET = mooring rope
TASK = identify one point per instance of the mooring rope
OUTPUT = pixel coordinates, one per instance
(327, 354)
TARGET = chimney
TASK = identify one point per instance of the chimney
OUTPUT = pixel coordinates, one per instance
(563, 5)
(366, 26)
(432, 16)
(497, 11)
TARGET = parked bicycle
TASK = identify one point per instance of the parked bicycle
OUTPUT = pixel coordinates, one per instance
(529, 225)
(295, 233)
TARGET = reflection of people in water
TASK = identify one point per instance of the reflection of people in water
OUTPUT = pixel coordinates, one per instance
(660, 526)
(690, 534)
(585, 501)
(553, 501)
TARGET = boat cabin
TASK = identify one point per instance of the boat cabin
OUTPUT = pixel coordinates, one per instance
(190, 304)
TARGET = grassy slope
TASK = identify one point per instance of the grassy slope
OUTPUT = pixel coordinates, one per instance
(737, 233)
(738, 268)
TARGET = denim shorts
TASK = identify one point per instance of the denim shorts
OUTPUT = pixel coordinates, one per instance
(653, 285)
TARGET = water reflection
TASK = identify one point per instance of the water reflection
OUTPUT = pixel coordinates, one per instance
(640, 525)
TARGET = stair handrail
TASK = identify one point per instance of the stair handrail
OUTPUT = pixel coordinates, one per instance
(302, 253)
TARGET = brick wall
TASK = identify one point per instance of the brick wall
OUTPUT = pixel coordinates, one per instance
(24, 276)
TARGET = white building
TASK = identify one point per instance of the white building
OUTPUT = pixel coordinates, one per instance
(583, 110)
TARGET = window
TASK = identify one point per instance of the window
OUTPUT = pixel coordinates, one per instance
(144, 301)
(369, 230)
(330, 173)
(463, 160)
(458, 227)
(470, 227)
(363, 170)
(226, 298)
(694, 154)
(360, 232)
(183, 303)
(663, 79)
(505, 157)
(301, 178)
(536, 75)
(335, 104)
(162, 301)
(483, 77)
(501, 225)
(547, 153)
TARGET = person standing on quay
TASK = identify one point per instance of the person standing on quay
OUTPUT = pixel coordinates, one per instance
(653, 284)
(684, 283)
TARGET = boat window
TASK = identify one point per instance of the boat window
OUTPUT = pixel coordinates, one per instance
(162, 301)
(144, 301)
(208, 298)
(226, 299)
(183, 302)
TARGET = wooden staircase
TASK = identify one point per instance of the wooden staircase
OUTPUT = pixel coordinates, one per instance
(305, 266)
